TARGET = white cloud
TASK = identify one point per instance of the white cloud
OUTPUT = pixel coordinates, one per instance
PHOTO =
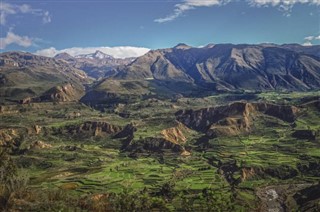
(307, 43)
(12, 38)
(46, 17)
(283, 5)
(189, 5)
(309, 38)
(7, 9)
(117, 51)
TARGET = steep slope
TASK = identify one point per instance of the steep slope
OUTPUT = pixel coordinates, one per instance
(233, 119)
(231, 67)
(24, 75)
(60, 93)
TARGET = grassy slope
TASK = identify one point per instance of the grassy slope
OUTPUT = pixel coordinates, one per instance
(96, 168)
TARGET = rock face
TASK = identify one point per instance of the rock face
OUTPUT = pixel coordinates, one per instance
(93, 128)
(7, 136)
(172, 138)
(232, 119)
(40, 145)
(60, 93)
(63, 93)
(231, 67)
(176, 134)
(248, 173)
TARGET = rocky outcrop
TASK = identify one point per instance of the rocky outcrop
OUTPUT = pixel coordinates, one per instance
(63, 93)
(26, 100)
(233, 119)
(93, 128)
(39, 145)
(171, 138)
(59, 93)
(37, 129)
(248, 173)
(8, 136)
(175, 134)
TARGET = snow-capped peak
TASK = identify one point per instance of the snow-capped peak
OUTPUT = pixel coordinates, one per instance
(97, 55)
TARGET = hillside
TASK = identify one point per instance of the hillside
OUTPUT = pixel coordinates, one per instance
(174, 128)
(24, 75)
(231, 67)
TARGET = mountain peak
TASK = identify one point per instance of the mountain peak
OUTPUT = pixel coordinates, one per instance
(63, 56)
(209, 45)
(101, 55)
(182, 46)
(96, 55)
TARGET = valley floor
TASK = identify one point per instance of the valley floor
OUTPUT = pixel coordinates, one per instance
(147, 155)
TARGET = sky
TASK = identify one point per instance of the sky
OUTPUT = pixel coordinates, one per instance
(126, 28)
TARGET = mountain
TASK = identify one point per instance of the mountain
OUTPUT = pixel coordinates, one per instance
(65, 56)
(96, 55)
(310, 50)
(25, 76)
(231, 67)
(96, 65)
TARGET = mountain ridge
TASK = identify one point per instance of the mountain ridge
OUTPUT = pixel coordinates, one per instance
(96, 65)
(232, 67)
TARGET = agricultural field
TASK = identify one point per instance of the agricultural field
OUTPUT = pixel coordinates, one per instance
(73, 155)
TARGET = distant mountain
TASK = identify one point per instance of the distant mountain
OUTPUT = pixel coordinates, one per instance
(96, 55)
(24, 75)
(231, 67)
(310, 50)
(96, 65)
(65, 56)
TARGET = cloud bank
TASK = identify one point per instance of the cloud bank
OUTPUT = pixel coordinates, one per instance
(283, 5)
(117, 51)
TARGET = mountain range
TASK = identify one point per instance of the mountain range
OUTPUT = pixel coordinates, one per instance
(181, 70)
(231, 67)
(96, 65)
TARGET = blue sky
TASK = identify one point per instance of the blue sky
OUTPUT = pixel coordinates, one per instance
(118, 27)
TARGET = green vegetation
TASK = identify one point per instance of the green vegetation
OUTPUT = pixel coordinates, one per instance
(53, 168)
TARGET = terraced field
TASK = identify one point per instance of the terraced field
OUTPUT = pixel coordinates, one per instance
(84, 152)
